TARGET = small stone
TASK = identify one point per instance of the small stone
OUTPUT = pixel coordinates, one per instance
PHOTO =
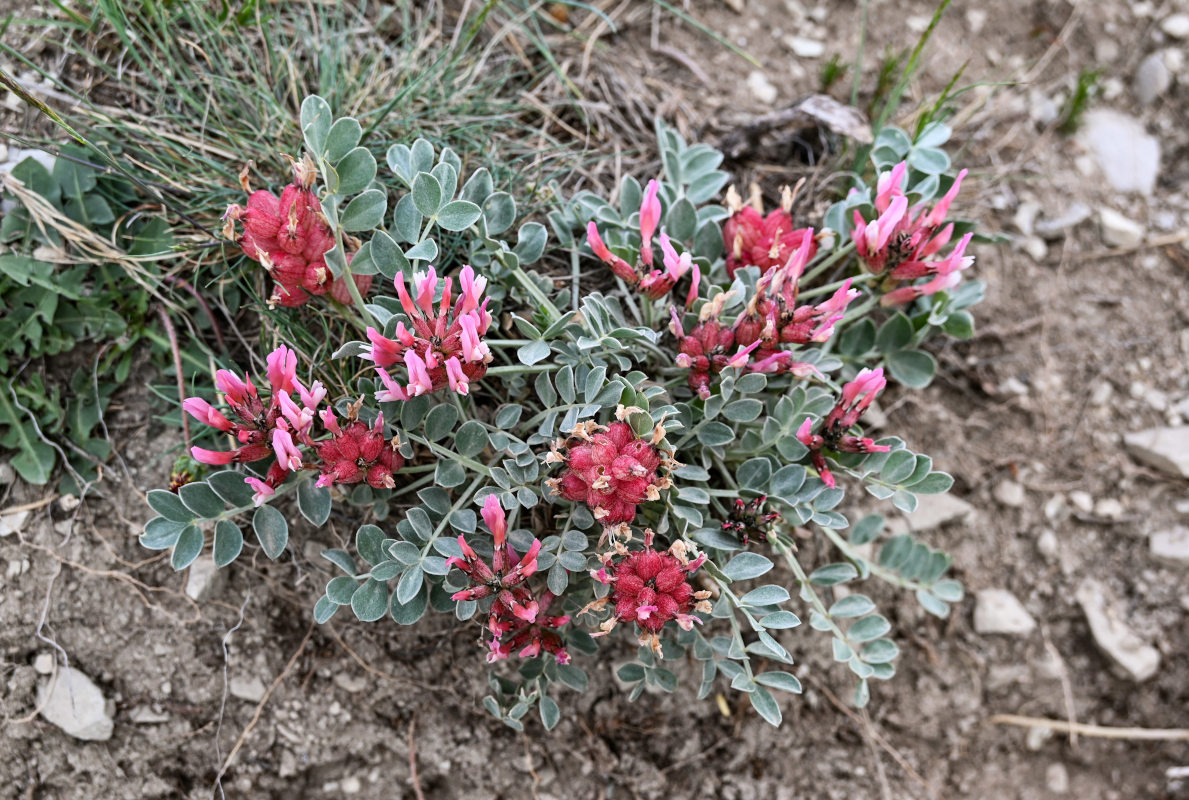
(1025, 216)
(1166, 449)
(44, 663)
(1056, 507)
(1168, 547)
(806, 48)
(76, 705)
(351, 785)
(1152, 79)
(933, 511)
(1057, 778)
(1132, 657)
(12, 523)
(68, 502)
(1127, 155)
(761, 88)
(1046, 544)
(3, 152)
(204, 579)
(1036, 737)
(998, 611)
(976, 18)
(1076, 214)
(1013, 386)
(1176, 25)
(251, 688)
(143, 715)
(350, 683)
(1118, 230)
(1082, 501)
(1042, 109)
(288, 766)
(1010, 493)
(1181, 506)
(1109, 508)
(1106, 50)
(7, 473)
(1035, 247)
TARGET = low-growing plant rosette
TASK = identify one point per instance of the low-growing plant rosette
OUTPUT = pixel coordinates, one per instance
(567, 470)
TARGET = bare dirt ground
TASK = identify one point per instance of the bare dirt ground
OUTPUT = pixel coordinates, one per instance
(1078, 343)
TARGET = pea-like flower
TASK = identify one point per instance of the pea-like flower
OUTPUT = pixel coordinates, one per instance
(857, 395)
(289, 235)
(611, 469)
(356, 452)
(755, 240)
(443, 347)
(505, 576)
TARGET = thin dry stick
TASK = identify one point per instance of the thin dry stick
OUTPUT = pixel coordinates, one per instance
(45, 501)
(243, 737)
(413, 777)
(1094, 731)
(1159, 241)
(177, 368)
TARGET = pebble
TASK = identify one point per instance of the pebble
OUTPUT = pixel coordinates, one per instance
(12, 523)
(1009, 493)
(350, 683)
(805, 47)
(1101, 394)
(998, 611)
(1046, 544)
(1152, 79)
(251, 688)
(1013, 385)
(44, 663)
(976, 18)
(204, 579)
(1042, 109)
(1171, 547)
(1127, 155)
(761, 88)
(1132, 657)
(1118, 230)
(933, 511)
(1082, 501)
(76, 705)
(1053, 228)
(1166, 449)
(1036, 737)
(1056, 507)
(1176, 25)
(1109, 508)
(1057, 778)
(288, 766)
(7, 474)
(144, 715)
(351, 785)
(1035, 247)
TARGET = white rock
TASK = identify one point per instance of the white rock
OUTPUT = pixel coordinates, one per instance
(975, 19)
(998, 611)
(1057, 778)
(350, 683)
(3, 152)
(1166, 449)
(1118, 230)
(76, 705)
(204, 579)
(1082, 501)
(1010, 493)
(1106, 50)
(144, 715)
(761, 88)
(251, 688)
(1076, 214)
(1013, 385)
(1171, 547)
(1035, 247)
(1133, 658)
(1176, 25)
(7, 473)
(1056, 507)
(12, 523)
(933, 511)
(1152, 79)
(351, 785)
(288, 766)
(1042, 109)
(1047, 544)
(1123, 150)
(1025, 216)
(44, 663)
(1109, 508)
(806, 48)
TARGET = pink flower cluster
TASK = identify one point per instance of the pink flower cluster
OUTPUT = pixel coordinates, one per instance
(748, 519)
(755, 240)
(900, 242)
(857, 395)
(284, 427)
(653, 283)
(289, 236)
(279, 427)
(650, 588)
(772, 318)
(444, 345)
(516, 619)
(610, 469)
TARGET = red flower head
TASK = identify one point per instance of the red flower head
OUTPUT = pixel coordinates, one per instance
(357, 453)
(290, 236)
(857, 395)
(753, 240)
(749, 519)
(708, 348)
(444, 347)
(529, 639)
(900, 240)
(610, 469)
(279, 427)
(650, 588)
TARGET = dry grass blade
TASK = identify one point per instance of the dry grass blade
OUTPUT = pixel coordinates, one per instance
(1094, 731)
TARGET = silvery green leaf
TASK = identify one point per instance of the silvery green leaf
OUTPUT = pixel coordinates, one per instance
(316, 118)
(458, 215)
(427, 194)
(343, 135)
(201, 499)
(370, 600)
(765, 704)
(356, 171)
(499, 212)
(530, 242)
(272, 530)
(365, 211)
(229, 541)
(188, 547)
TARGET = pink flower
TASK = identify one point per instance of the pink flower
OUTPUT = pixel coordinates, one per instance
(493, 517)
(455, 375)
(214, 457)
(282, 369)
(650, 218)
(472, 289)
(419, 380)
(753, 240)
(202, 411)
(263, 490)
(857, 396)
(358, 453)
(622, 269)
(287, 453)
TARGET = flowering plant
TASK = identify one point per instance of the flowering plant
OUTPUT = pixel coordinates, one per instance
(640, 442)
